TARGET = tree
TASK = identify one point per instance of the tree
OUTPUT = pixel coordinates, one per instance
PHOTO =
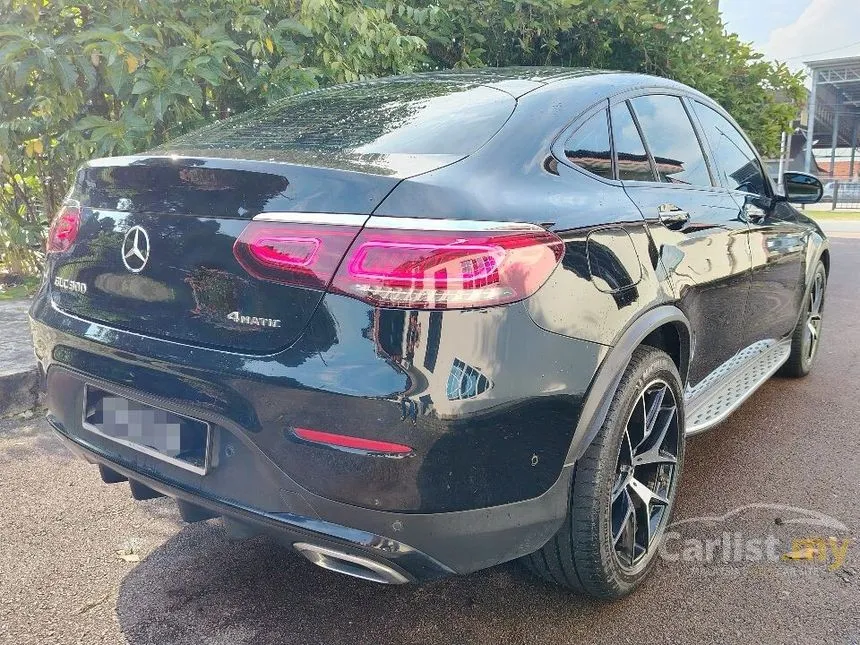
(100, 77)
(680, 39)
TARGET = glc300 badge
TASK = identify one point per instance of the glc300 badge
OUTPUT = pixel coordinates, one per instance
(135, 249)
(256, 321)
(70, 285)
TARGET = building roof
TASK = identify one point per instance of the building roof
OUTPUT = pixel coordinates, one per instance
(838, 89)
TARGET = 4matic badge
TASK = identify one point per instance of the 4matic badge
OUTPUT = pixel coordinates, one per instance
(256, 321)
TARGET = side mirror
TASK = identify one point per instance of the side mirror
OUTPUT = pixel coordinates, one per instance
(801, 188)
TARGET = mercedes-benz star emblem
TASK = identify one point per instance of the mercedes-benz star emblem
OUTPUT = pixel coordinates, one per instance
(135, 249)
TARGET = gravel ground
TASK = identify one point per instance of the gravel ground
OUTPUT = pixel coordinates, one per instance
(784, 467)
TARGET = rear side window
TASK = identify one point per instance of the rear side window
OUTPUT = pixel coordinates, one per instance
(589, 146)
(673, 142)
(738, 167)
(633, 163)
(377, 117)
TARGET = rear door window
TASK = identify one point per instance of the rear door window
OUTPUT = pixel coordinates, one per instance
(672, 140)
(589, 146)
(631, 158)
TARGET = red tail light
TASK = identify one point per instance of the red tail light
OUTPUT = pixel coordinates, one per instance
(399, 262)
(304, 255)
(64, 228)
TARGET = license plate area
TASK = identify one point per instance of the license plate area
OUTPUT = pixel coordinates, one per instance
(167, 436)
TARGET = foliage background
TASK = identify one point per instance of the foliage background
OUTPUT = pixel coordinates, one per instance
(101, 77)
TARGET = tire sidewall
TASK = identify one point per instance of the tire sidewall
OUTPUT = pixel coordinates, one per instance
(658, 366)
(808, 361)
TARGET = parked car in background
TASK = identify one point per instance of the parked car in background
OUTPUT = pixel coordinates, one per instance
(427, 324)
(849, 191)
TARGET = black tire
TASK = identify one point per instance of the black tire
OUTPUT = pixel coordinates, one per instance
(804, 344)
(582, 556)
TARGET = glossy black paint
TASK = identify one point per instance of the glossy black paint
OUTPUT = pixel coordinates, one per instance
(367, 373)
(729, 273)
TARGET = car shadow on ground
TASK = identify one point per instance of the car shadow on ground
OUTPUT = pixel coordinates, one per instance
(200, 587)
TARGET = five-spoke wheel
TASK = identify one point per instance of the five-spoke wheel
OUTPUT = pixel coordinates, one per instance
(624, 485)
(815, 301)
(807, 334)
(644, 474)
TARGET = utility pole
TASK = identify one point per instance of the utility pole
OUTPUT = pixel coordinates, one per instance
(810, 122)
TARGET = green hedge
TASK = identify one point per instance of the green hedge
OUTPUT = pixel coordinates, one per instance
(84, 79)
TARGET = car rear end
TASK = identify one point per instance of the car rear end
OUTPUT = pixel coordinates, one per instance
(226, 322)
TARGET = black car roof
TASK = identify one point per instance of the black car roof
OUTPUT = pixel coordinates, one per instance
(518, 81)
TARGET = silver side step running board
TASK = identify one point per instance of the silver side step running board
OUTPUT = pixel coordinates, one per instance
(732, 383)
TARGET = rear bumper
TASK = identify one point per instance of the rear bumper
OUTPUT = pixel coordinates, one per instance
(486, 483)
(286, 527)
(421, 547)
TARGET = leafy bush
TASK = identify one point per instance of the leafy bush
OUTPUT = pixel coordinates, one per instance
(101, 77)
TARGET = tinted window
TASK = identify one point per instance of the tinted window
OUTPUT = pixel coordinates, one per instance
(672, 140)
(589, 147)
(388, 117)
(632, 159)
(738, 168)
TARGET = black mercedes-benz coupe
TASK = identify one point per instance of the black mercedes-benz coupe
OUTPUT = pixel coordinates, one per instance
(428, 324)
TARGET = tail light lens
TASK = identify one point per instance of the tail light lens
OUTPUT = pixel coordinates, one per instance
(302, 255)
(64, 229)
(449, 269)
(408, 265)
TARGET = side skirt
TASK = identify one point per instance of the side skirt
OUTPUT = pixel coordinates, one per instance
(727, 387)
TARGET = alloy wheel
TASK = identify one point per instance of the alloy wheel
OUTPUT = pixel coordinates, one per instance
(645, 475)
(812, 332)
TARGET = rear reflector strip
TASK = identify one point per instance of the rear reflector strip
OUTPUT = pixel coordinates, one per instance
(352, 443)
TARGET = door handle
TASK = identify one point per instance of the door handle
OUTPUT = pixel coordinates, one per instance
(672, 217)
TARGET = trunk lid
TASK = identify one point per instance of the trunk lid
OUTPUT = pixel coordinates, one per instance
(154, 251)
(339, 150)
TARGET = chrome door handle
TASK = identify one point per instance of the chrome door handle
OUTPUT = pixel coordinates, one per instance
(672, 217)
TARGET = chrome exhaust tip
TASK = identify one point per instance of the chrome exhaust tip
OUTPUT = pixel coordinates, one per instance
(350, 565)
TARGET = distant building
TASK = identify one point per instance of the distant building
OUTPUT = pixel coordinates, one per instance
(833, 119)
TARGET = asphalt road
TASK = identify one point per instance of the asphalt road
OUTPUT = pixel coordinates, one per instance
(784, 467)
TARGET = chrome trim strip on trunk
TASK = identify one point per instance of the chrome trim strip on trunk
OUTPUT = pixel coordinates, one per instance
(429, 224)
(331, 219)
(401, 223)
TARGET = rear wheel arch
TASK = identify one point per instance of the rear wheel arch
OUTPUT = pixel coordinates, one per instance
(665, 327)
(825, 259)
(674, 339)
(584, 554)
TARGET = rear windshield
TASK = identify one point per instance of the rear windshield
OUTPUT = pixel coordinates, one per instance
(380, 117)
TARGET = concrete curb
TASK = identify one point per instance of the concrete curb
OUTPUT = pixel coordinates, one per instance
(19, 377)
(19, 391)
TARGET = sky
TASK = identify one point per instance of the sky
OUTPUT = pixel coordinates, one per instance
(794, 31)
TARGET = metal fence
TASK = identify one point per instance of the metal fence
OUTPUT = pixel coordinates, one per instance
(842, 194)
